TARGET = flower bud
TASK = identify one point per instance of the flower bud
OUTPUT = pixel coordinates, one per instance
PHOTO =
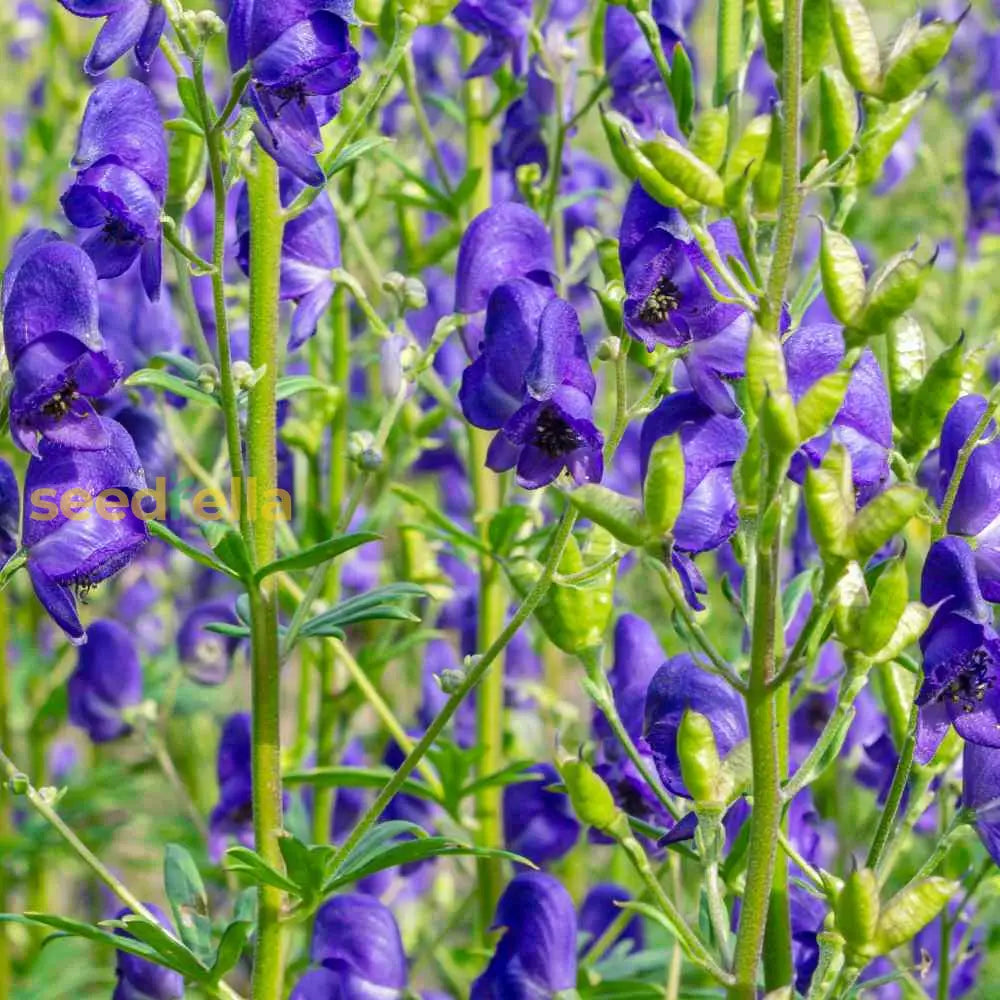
(842, 274)
(910, 910)
(679, 167)
(765, 367)
(857, 44)
(663, 489)
(370, 460)
(747, 156)
(19, 784)
(838, 112)
(451, 680)
(698, 753)
(779, 424)
(391, 368)
(767, 183)
(913, 57)
(414, 294)
(820, 403)
(882, 518)
(207, 23)
(244, 376)
(857, 910)
(608, 349)
(590, 797)
(207, 378)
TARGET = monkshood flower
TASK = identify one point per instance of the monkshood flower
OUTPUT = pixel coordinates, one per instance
(863, 424)
(310, 249)
(300, 57)
(130, 24)
(121, 162)
(961, 653)
(504, 24)
(681, 685)
(134, 328)
(982, 173)
(600, 909)
(536, 957)
(10, 510)
(981, 793)
(69, 556)
(107, 681)
(539, 824)
(139, 979)
(523, 137)
(233, 814)
(356, 939)
(976, 508)
(207, 657)
(533, 384)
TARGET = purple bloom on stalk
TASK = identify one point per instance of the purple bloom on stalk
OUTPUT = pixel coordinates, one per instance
(139, 979)
(522, 139)
(600, 909)
(863, 424)
(121, 161)
(538, 823)
(536, 957)
(301, 57)
(130, 24)
(982, 173)
(356, 940)
(10, 510)
(233, 814)
(961, 653)
(981, 793)
(107, 680)
(504, 24)
(681, 685)
(207, 657)
(533, 384)
(310, 249)
(69, 556)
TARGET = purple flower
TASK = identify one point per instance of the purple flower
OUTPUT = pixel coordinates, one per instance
(536, 957)
(10, 510)
(301, 57)
(504, 24)
(356, 939)
(532, 384)
(134, 327)
(982, 173)
(679, 685)
(600, 909)
(67, 556)
(981, 793)
(139, 979)
(539, 824)
(121, 161)
(712, 444)
(207, 657)
(523, 139)
(310, 249)
(107, 680)
(863, 424)
(961, 653)
(130, 24)
(233, 814)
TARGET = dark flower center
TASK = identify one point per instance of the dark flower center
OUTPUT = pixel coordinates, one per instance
(664, 298)
(969, 686)
(118, 230)
(553, 435)
(59, 404)
(291, 93)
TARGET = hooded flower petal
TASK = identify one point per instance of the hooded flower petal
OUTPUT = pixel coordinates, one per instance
(207, 656)
(107, 680)
(538, 823)
(504, 24)
(130, 24)
(981, 793)
(601, 909)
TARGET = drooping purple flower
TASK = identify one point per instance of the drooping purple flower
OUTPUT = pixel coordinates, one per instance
(863, 424)
(10, 512)
(807, 913)
(107, 681)
(681, 685)
(310, 249)
(207, 657)
(523, 136)
(712, 444)
(600, 909)
(135, 328)
(139, 979)
(233, 814)
(301, 57)
(981, 793)
(69, 555)
(130, 24)
(982, 173)
(536, 957)
(356, 938)
(961, 653)
(121, 162)
(504, 24)
(533, 384)
(539, 824)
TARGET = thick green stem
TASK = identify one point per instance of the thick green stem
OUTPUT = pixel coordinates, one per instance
(729, 52)
(266, 228)
(6, 877)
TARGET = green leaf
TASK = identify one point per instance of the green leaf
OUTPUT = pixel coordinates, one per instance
(371, 606)
(355, 151)
(187, 368)
(434, 515)
(227, 543)
(231, 947)
(292, 385)
(189, 97)
(155, 378)
(186, 172)
(317, 554)
(356, 777)
(251, 864)
(466, 188)
(228, 628)
(305, 865)
(77, 928)
(188, 900)
(159, 530)
(170, 951)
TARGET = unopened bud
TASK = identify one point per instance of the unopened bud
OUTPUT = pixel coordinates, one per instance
(701, 768)
(208, 378)
(207, 23)
(391, 369)
(19, 784)
(608, 349)
(590, 796)
(414, 294)
(857, 910)
(370, 460)
(451, 680)
(358, 442)
(243, 375)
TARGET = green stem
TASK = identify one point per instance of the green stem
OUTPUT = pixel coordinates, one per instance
(6, 827)
(729, 52)
(266, 228)
(409, 75)
(891, 807)
(651, 32)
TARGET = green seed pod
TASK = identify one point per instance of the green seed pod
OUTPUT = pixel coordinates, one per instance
(679, 167)
(911, 626)
(608, 259)
(748, 472)
(765, 367)
(838, 112)
(915, 58)
(883, 126)
(910, 910)
(857, 44)
(933, 399)
(907, 357)
(616, 128)
(681, 86)
(857, 910)
(590, 797)
(843, 275)
(663, 489)
(883, 517)
(708, 139)
(779, 424)
(611, 300)
(701, 768)
(888, 602)
(893, 289)
(617, 514)
(820, 403)
(747, 156)
(186, 172)
(817, 36)
(767, 183)
(851, 601)
(772, 18)
(655, 184)
(829, 500)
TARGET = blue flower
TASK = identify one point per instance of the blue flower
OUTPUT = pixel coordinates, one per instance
(504, 24)
(539, 824)
(130, 24)
(140, 979)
